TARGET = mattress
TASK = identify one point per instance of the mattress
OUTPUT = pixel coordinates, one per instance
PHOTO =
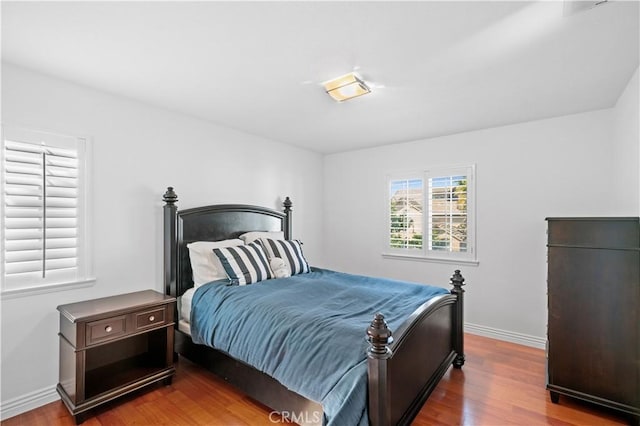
(185, 311)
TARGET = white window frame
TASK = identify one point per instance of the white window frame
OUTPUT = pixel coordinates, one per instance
(82, 276)
(425, 253)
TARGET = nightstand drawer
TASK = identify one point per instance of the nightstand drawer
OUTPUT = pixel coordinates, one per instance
(150, 318)
(106, 329)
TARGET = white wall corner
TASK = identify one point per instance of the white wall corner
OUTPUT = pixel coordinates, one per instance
(626, 148)
(27, 402)
(505, 335)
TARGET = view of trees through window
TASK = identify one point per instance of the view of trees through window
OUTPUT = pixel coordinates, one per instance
(446, 201)
(448, 213)
(406, 213)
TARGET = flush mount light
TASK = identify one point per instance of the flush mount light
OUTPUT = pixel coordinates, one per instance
(346, 87)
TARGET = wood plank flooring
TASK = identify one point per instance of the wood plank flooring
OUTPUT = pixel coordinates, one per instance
(500, 384)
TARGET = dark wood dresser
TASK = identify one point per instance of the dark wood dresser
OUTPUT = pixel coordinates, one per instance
(113, 346)
(594, 311)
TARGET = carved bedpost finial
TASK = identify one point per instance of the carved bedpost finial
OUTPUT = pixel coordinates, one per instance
(287, 227)
(170, 213)
(457, 280)
(379, 337)
(170, 197)
(458, 342)
(287, 204)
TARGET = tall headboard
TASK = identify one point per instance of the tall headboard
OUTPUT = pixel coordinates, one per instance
(210, 223)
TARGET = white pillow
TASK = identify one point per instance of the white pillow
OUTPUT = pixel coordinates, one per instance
(290, 251)
(249, 237)
(280, 268)
(205, 265)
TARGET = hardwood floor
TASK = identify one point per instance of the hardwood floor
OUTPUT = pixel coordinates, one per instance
(500, 384)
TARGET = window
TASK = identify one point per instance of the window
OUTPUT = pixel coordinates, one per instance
(431, 214)
(45, 209)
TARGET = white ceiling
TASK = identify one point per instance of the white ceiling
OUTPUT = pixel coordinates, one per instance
(436, 67)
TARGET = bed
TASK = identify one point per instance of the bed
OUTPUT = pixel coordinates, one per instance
(402, 367)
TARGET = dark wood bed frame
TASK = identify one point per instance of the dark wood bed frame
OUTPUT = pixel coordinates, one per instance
(403, 370)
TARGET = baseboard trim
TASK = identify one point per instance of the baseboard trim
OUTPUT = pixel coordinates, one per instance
(27, 402)
(505, 335)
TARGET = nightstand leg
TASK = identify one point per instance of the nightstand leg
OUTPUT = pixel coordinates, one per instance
(555, 397)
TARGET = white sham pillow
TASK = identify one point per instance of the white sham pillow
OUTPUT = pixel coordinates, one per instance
(205, 265)
(249, 237)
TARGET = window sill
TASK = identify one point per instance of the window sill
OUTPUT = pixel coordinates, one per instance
(47, 288)
(430, 259)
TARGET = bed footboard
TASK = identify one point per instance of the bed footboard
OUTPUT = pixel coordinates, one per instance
(406, 368)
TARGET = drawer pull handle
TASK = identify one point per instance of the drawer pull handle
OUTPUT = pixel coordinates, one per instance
(151, 318)
(108, 329)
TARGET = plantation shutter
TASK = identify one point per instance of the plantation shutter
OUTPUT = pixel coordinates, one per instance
(406, 200)
(447, 219)
(431, 214)
(42, 208)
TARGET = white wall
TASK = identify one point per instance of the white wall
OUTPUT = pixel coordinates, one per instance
(525, 172)
(138, 152)
(627, 148)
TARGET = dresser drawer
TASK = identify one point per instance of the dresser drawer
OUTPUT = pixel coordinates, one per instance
(150, 318)
(106, 329)
(596, 233)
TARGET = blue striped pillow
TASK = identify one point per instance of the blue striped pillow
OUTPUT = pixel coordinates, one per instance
(288, 250)
(244, 264)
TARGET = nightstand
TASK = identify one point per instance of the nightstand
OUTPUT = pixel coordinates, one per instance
(112, 346)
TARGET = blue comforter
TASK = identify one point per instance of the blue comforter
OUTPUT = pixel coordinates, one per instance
(306, 331)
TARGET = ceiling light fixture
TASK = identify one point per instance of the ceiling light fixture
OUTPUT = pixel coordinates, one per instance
(346, 87)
